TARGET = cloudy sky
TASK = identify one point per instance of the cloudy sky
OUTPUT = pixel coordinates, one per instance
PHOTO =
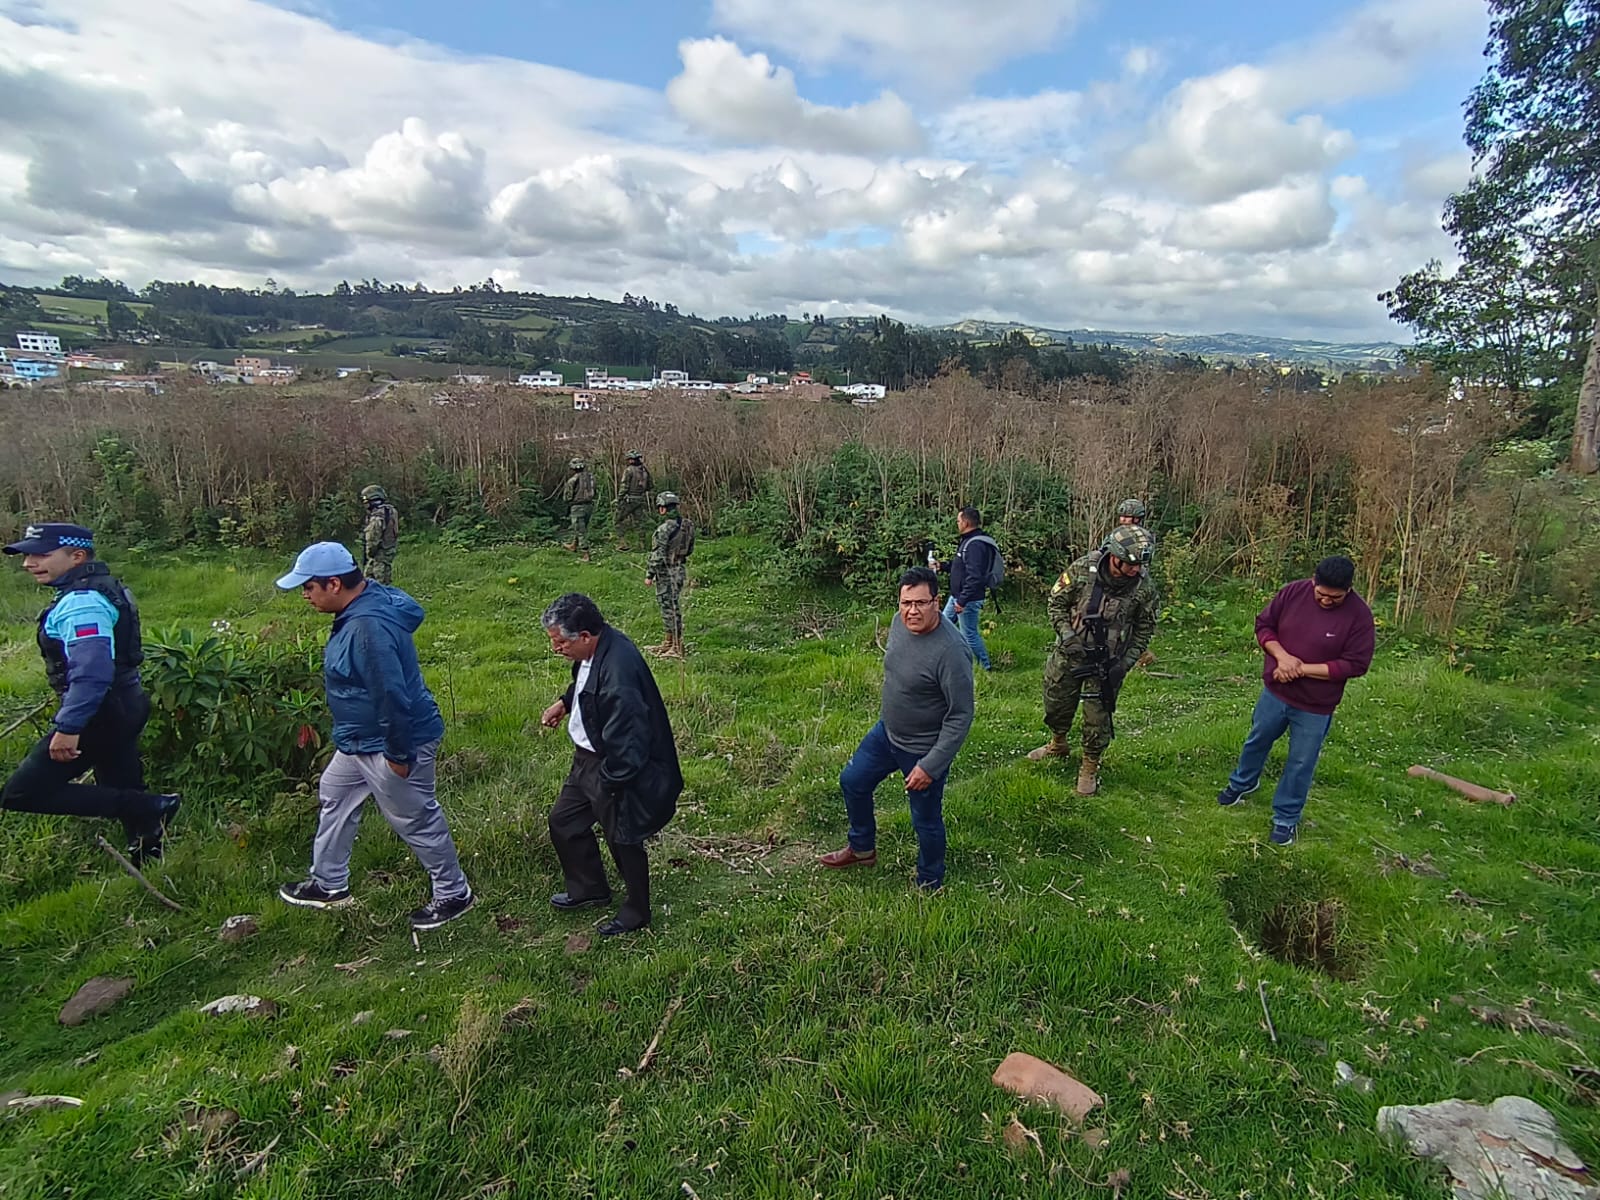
(1183, 165)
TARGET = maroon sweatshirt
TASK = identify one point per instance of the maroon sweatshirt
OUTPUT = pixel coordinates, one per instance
(1342, 637)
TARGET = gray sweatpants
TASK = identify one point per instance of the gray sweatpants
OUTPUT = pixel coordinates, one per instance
(407, 804)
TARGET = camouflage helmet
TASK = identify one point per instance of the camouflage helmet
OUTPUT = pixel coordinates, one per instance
(373, 492)
(1130, 543)
(666, 499)
(1132, 507)
(636, 455)
(574, 464)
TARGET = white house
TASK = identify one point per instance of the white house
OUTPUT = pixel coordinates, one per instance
(346, 372)
(585, 402)
(672, 378)
(39, 343)
(465, 378)
(866, 392)
(542, 379)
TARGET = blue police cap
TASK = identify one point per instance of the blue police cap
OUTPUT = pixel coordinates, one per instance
(52, 535)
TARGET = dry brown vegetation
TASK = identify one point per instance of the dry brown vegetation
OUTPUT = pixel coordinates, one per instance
(1245, 476)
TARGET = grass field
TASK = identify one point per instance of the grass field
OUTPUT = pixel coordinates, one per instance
(834, 1034)
(79, 309)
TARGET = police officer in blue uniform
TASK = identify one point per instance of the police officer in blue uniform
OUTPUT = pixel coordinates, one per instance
(89, 636)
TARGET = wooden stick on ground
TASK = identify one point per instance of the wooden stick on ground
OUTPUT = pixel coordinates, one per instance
(26, 717)
(134, 871)
(1261, 990)
(655, 1042)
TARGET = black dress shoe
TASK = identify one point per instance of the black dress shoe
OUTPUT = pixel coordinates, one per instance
(562, 900)
(616, 925)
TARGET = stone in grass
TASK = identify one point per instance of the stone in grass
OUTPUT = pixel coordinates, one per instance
(362, 1017)
(1511, 1150)
(1034, 1079)
(1344, 1075)
(236, 929)
(100, 994)
(250, 1006)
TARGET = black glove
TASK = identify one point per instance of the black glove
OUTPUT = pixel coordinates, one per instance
(1117, 672)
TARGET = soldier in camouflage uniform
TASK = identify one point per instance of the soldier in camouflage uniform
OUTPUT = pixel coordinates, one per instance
(633, 498)
(667, 569)
(1104, 611)
(579, 493)
(380, 536)
(1131, 511)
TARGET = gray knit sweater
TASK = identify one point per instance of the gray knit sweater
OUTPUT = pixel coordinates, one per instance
(927, 693)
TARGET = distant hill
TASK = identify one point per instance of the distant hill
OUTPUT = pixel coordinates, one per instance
(1238, 348)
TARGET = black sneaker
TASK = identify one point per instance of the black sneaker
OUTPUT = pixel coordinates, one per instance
(1283, 835)
(311, 894)
(438, 912)
(147, 846)
(1227, 797)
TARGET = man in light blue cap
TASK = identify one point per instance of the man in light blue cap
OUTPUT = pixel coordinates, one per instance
(386, 728)
(89, 637)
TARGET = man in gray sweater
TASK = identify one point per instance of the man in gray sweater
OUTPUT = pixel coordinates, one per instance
(925, 715)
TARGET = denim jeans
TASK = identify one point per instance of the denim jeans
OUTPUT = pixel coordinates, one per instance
(967, 622)
(875, 759)
(1306, 733)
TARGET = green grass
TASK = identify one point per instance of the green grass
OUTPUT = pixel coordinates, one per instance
(80, 309)
(837, 1032)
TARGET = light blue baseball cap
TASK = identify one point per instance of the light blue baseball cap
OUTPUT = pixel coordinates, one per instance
(318, 561)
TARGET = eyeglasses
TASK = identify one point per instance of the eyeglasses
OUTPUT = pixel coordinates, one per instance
(918, 604)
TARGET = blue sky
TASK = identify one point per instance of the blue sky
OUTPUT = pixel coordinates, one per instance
(1160, 165)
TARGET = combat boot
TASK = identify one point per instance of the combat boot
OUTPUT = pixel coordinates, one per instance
(1056, 747)
(672, 647)
(1088, 776)
(662, 649)
(677, 642)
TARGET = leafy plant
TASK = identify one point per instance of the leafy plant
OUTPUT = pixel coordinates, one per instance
(233, 708)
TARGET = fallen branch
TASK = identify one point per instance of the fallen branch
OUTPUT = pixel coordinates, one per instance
(1261, 990)
(257, 1160)
(134, 871)
(25, 718)
(655, 1042)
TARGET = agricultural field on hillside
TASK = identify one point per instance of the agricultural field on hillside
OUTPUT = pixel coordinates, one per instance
(815, 1033)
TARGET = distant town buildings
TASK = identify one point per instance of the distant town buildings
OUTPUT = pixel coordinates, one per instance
(39, 343)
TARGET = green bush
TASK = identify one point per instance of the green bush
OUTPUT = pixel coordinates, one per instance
(232, 709)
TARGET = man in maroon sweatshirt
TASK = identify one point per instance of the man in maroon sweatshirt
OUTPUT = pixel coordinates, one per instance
(1317, 634)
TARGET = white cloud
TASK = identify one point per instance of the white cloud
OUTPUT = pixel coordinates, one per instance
(744, 98)
(1296, 215)
(937, 45)
(1221, 135)
(225, 140)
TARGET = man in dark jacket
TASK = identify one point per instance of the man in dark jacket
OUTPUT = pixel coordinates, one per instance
(969, 580)
(387, 730)
(625, 774)
(89, 637)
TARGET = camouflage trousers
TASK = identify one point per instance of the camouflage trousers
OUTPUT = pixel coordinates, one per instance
(1061, 696)
(632, 512)
(379, 566)
(669, 591)
(578, 515)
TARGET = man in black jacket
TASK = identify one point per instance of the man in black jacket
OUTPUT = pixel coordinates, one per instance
(969, 580)
(625, 774)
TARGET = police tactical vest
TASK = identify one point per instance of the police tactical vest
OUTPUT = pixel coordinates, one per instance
(127, 644)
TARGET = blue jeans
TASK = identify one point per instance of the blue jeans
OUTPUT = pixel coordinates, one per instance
(1307, 730)
(967, 622)
(875, 759)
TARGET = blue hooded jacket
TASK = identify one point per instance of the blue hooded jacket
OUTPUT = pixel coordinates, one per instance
(375, 691)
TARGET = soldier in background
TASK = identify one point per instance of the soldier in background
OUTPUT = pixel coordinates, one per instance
(633, 498)
(380, 536)
(1104, 611)
(579, 493)
(1131, 511)
(667, 569)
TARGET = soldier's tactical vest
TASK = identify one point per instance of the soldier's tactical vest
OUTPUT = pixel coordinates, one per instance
(1116, 607)
(583, 488)
(636, 481)
(681, 543)
(127, 644)
(391, 528)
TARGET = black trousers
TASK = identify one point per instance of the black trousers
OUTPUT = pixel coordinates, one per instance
(582, 804)
(110, 745)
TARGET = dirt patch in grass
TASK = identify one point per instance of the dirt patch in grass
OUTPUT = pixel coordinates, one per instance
(1297, 916)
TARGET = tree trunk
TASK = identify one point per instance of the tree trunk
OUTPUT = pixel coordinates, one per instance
(1586, 429)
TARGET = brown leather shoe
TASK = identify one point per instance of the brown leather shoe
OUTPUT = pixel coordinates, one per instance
(848, 858)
